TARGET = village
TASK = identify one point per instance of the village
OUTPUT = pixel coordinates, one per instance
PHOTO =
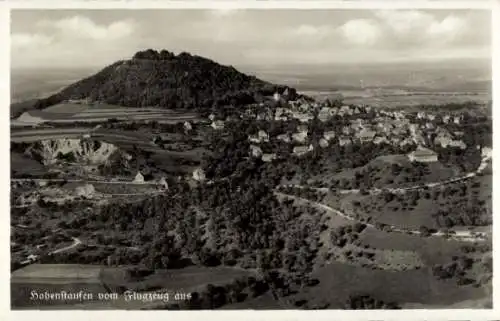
(421, 131)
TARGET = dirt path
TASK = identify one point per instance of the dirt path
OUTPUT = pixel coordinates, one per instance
(460, 235)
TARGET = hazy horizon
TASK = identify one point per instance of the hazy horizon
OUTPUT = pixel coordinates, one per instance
(51, 39)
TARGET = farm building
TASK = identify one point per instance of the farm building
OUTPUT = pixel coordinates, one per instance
(139, 178)
(423, 155)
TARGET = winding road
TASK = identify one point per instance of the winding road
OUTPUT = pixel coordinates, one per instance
(459, 235)
(401, 190)
(76, 242)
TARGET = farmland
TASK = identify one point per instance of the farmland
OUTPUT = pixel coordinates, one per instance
(170, 173)
(94, 280)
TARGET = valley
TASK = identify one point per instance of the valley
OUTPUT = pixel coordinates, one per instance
(250, 195)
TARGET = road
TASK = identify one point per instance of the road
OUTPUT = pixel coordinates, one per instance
(60, 180)
(401, 190)
(459, 235)
(76, 242)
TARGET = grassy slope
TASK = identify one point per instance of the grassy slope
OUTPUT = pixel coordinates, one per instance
(338, 281)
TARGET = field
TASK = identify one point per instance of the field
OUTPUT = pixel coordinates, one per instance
(400, 97)
(337, 281)
(67, 113)
(100, 279)
(431, 250)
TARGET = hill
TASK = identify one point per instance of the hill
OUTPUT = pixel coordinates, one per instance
(162, 79)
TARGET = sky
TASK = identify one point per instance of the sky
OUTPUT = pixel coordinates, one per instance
(91, 38)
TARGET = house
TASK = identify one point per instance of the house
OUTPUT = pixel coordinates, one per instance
(299, 137)
(302, 128)
(32, 258)
(366, 135)
(199, 175)
(302, 117)
(284, 138)
(217, 124)
(323, 143)
(277, 96)
(405, 142)
(446, 119)
(379, 140)
(345, 109)
(347, 130)
(187, 126)
(261, 136)
(486, 151)
(325, 113)
(280, 114)
(255, 151)
(329, 135)
(139, 178)
(268, 157)
(301, 150)
(344, 141)
(423, 155)
(163, 183)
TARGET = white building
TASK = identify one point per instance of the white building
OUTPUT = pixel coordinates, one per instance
(284, 138)
(187, 126)
(299, 137)
(423, 155)
(139, 178)
(268, 157)
(301, 150)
